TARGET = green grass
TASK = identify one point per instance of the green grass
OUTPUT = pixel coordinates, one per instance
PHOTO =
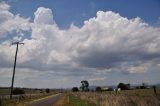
(76, 101)
(138, 92)
(4, 91)
(141, 92)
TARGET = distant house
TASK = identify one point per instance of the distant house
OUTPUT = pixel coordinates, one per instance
(105, 88)
(117, 89)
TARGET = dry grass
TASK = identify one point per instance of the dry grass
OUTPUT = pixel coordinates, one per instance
(124, 98)
(24, 100)
(71, 100)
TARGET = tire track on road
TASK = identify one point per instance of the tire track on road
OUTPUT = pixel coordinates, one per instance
(48, 101)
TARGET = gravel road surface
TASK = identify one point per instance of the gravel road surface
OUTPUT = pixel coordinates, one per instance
(48, 101)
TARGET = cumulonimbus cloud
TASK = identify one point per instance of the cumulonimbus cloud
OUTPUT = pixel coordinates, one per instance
(105, 42)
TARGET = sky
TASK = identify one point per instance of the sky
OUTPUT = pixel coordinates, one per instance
(102, 41)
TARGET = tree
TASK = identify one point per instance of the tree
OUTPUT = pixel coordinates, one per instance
(17, 91)
(98, 89)
(143, 86)
(47, 90)
(84, 85)
(75, 89)
(123, 86)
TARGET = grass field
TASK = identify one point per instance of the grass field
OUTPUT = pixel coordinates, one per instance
(4, 91)
(72, 100)
(142, 97)
(136, 92)
(76, 101)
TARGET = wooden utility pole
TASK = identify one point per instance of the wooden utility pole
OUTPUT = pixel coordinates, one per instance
(15, 43)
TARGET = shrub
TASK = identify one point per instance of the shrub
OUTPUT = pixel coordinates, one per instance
(17, 91)
(75, 89)
(110, 89)
(123, 86)
(47, 90)
(98, 89)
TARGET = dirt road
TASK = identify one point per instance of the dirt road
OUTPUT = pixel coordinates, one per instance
(48, 101)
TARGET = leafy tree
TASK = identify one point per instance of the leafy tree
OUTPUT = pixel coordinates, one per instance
(143, 86)
(17, 91)
(98, 89)
(84, 85)
(75, 89)
(123, 86)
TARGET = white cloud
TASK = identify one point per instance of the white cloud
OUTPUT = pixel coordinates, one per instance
(4, 6)
(107, 43)
(10, 22)
(97, 79)
(43, 16)
(20, 73)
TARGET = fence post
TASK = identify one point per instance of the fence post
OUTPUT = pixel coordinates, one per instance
(0, 101)
(68, 99)
(154, 88)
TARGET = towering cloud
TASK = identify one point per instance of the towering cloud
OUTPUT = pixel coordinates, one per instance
(43, 16)
(105, 43)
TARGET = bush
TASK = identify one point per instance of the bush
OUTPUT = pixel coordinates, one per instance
(75, 89)
(47, 90)
(18, 91)
(123, 86)
(137, 87)
(98, 89)
(110, 89)
(142, 87)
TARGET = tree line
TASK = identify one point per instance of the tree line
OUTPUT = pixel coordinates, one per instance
(121, 86)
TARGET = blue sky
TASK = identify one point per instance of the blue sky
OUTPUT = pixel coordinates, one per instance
(76, 11)
(67, 41)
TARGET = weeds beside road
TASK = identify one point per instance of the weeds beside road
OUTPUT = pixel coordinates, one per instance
(72, 100)
(22, 100)
(143, 97)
